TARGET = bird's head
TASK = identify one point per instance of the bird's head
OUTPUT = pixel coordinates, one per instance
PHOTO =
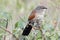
(40, 9)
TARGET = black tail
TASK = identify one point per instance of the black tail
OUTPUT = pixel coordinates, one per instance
(27, 30)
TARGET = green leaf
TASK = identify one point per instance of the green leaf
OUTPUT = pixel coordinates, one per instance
(16, 24)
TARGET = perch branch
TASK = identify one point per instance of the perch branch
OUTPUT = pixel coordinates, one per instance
(9, 32)
(43, 36)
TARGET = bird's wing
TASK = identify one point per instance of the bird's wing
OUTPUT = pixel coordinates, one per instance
(32, 15)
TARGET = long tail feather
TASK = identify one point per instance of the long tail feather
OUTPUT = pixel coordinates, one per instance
(27, 30)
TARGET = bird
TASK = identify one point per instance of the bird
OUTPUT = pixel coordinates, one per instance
(34, 19)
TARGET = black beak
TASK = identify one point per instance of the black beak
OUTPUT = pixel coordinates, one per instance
(44, 8)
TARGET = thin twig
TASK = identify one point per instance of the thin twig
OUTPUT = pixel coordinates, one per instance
(9, 32)
(6, 28)
(43, 36)
(22, 19)
(7, 23)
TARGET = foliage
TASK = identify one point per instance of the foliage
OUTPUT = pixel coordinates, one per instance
(25, 7)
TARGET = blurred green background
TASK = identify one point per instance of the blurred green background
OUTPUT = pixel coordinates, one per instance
(14, 15)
